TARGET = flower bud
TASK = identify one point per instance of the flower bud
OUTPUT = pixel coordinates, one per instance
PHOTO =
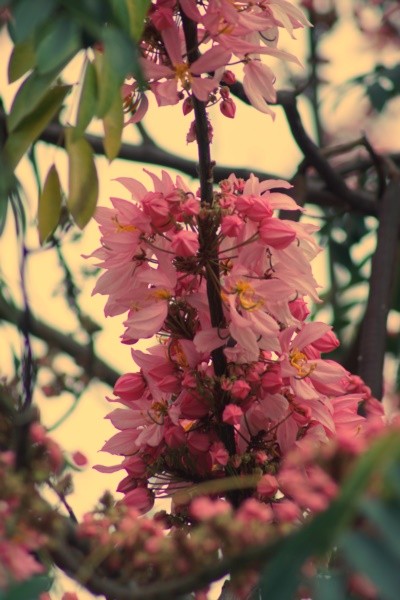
(228, 77)
(276, 233)
(228, 108)
(187, 106)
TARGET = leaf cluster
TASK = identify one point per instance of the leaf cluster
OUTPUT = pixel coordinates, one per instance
(45, 42)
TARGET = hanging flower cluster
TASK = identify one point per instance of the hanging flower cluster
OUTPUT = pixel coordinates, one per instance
(229, 34)
(26, 523)
(182, 421)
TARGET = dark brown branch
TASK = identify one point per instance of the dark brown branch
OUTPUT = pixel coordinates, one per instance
(335, 183)
(149, 153)
(373, 335)
(83, 355)
(208, 250)
(207, 229)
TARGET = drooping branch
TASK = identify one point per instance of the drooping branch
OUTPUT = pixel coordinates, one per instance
(83, 355)
(373, 334)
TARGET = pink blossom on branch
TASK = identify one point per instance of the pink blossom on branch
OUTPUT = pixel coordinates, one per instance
(277, 391)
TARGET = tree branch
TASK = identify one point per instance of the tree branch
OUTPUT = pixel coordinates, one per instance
(83, 355)
(149, 153)
(208, 250)
(336, 185)
(373, 334)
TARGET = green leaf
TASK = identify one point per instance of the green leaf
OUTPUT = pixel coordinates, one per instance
(371, 556)
(3, 212)
(283, 573)
(87, 100)
(22, 59)
(137, 10)
(118, 60)
(32, 126)
(26, 21)
(121, 14)
(60, 43)
(28, 590)
(49, 205)
(386, 518)
(29, 95)
(329, 586)
(113, 124)
(19, 210)
(378, 95)
(82, 181)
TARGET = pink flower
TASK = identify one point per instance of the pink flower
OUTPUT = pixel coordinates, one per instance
(276, 233)
(267, 486)
(231, 225)
(185, 243)
(140, 498)
(240, 389)
(232, 414)
(219, 454)
(286, 511)
(188, 76)
(253, 510)
(204, 509)
(130, 387)
(258, 83)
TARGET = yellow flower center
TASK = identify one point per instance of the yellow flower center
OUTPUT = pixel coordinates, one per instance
(160, 408)
(299, 361)
(161, 294)
(119, 227)
(246, 295)
(183, 74)
(178, 354)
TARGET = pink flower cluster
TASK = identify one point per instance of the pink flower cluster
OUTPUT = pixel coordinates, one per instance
(18, 540)
(229, 33)
(180, 423)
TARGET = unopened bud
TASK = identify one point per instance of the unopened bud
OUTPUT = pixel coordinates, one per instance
(228, 77)
(228, 108)
(187, 106)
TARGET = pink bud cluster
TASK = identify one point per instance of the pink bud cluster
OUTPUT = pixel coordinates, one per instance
(18, 537)
(180, 423)
(229, 34)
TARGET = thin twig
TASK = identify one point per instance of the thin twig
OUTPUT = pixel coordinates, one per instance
(82, 354)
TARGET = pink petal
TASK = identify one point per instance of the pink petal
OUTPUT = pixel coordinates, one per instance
(215, 57)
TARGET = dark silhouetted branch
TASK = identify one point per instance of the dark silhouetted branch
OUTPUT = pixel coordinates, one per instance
(149, 153)
(373, 334)
(334, 182)
(83, 355)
